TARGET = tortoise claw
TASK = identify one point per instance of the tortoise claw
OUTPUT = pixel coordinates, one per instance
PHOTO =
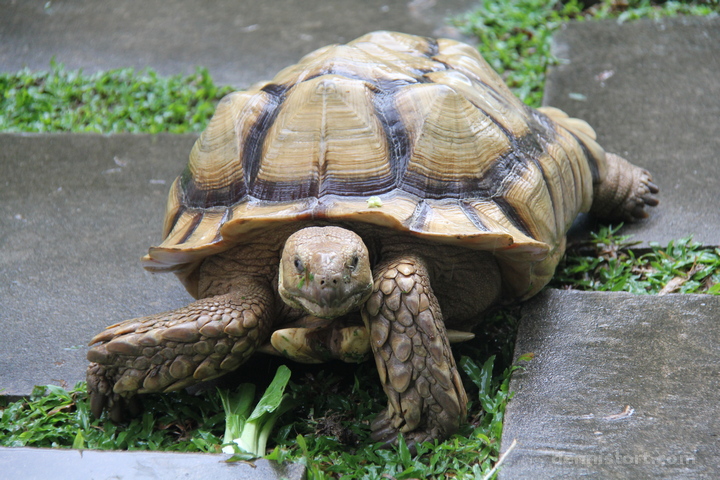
(176, 349)
(382, 430)
(98, 402)
(652, 187)
(103, 398)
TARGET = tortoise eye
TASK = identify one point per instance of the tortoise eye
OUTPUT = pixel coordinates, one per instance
(299, 265)
(354, 262)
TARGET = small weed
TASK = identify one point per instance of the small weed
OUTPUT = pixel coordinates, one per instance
(606, 263)
(627, 10)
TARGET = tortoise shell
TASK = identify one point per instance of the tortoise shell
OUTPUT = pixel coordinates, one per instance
(392, 130)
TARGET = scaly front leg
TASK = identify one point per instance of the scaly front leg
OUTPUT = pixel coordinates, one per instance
(426, 398)
(173, 350)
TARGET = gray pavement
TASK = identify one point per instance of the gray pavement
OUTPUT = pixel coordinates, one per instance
(76, 214)
(651, 90)
(239, 41)
(621, 386)
(61, 464)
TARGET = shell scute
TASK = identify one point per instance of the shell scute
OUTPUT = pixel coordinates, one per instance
(423, 126)
(442, 125)
(325, 137)
(347, 61)
(393, 42)
(467, 60)
(504, 112)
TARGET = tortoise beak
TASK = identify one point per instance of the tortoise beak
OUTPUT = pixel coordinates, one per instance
(325, 296)
(328, 297)
(327, 292)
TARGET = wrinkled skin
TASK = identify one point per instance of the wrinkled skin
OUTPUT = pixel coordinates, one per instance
(408, 299)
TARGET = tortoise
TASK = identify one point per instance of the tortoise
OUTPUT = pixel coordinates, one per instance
(378, 195)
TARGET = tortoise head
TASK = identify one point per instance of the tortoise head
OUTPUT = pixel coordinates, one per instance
(325, 271)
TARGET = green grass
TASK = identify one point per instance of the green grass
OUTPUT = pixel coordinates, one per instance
(55, 417)
(606, 262)
(329, 428)
(514, 37)
(125, 100)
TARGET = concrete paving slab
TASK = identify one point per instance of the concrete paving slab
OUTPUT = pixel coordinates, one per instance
(76, 214)
(44, 463)
(239, 41)
(621, 386)
(651, 89)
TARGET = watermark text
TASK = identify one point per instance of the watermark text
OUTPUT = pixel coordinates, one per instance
(619, 458)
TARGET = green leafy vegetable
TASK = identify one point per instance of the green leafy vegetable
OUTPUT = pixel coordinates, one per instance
(493, 394)
(250, 433)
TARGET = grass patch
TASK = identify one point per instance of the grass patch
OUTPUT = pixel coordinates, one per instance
(328, 430)
(606, 262)
(55, 417)
(513, 36)
(124, 100)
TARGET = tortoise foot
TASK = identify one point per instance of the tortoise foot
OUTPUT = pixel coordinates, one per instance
(177, 349)
(102, 398)
(388, 426)
(643, 194)
(625, 192)
(426, 399)
(343, 339)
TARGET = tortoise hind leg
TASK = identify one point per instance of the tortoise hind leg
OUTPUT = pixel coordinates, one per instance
(624, 192)
(426, 398)
(176, 349)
